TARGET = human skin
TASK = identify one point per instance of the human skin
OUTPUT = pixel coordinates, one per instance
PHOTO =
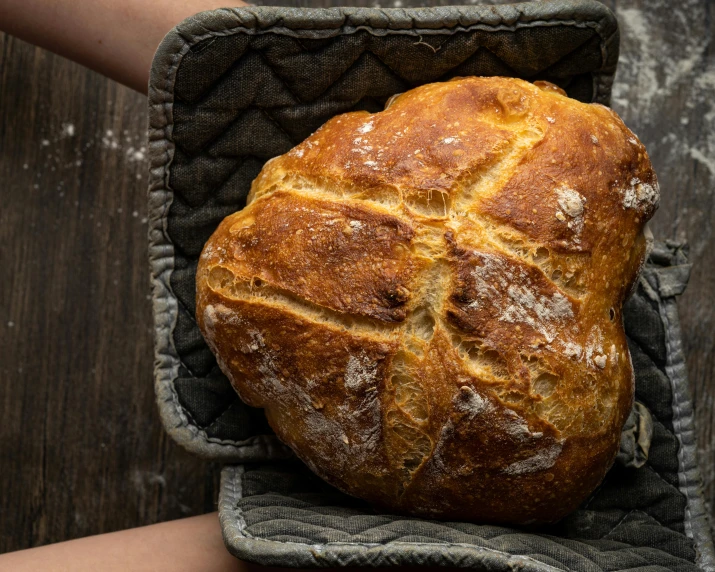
(116, 38)
(188, 545)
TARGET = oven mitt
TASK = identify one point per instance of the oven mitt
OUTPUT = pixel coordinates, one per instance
(232, 88)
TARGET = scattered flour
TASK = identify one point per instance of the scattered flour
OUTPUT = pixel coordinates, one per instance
(594, 348)
(640, 195)
(471, 402)
(541, 313)
(665, 66)
(360, 373)
(522, 304)
(539, 462)
(367, 127)
(136, 154)
(518, 428)
(572, 350)
(572, 204)
(707, 161)
(109, 141)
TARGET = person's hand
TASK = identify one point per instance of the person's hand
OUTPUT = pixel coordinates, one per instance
(185, 545)
(117, 38)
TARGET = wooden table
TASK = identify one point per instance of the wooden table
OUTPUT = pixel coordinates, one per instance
(81, 447)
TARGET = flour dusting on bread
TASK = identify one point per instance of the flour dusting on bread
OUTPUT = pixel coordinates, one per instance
(640, 195)
(360, 372)
(572, 206)
(544, 459)
(427, 300)
(540, 312)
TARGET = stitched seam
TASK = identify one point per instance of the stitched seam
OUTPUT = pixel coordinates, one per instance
(570, 552)
(278, 126)
(247, 534)
(561, 541)
(214, 138)
(619, 523)
(485, 27)
(219, 416)
(280, 28)
(677, 422)
(166, 284)
(240, 161)
(236, 496)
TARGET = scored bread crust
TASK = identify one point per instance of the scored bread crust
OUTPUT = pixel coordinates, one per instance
(426, 301)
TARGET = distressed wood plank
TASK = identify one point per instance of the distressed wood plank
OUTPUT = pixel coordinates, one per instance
(81, 448)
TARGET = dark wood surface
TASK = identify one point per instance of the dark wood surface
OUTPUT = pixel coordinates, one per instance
(81, 447)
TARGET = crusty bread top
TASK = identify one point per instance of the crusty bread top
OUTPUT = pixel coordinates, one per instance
(429, 298)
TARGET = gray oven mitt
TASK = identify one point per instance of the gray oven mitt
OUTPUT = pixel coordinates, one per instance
(232, 88)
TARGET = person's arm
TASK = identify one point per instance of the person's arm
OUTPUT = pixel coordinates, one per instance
(117, 38)
(185, 545)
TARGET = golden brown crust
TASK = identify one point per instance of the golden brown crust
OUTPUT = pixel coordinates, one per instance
(427, 300)
(342, 256)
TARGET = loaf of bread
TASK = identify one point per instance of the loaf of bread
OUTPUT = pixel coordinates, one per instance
(426, 301)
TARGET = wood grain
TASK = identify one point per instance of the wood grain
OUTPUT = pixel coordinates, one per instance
(81, 448)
